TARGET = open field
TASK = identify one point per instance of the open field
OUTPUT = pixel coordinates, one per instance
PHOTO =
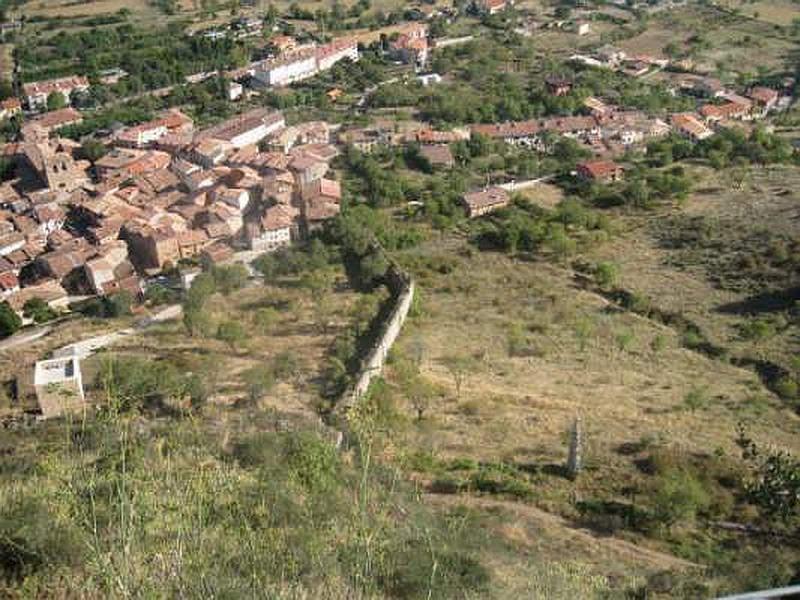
(777, 12)
(540, 352)
(733, 42)
(302, 329)
(737, 222)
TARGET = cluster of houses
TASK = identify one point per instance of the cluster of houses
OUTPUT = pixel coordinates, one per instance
(162, 194)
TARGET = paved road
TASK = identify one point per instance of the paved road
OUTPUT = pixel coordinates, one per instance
(25, 337)
(515, 186)
(86, 347)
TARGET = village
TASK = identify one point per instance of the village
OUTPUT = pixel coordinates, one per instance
(166, 193)
(469, 299)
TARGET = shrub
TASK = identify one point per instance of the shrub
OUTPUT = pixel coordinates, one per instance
(419, 573)
(38, 310)
(606, 274)
(694, 399)
(258, 381)
(678, 495)
(9, 320)
(311, 460)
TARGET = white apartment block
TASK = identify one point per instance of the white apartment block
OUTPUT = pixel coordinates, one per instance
(287, 70)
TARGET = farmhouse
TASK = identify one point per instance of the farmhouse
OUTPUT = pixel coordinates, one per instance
(437, 156)
(604, 171)
(691, 127)
(287, 68)
(485, 201)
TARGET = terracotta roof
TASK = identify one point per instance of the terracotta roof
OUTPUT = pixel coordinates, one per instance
(690, 124)
(277, 217)
(511, 129)
(437, 155)
(54, 85)
(598, 169)
(487, 197)
(763, 95)
(8, 281)
(58, 118)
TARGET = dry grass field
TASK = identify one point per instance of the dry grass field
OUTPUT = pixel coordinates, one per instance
(69, 8)
(778, 12)
(679, 282)
(740, 43)
(540, 351)
(301, 328)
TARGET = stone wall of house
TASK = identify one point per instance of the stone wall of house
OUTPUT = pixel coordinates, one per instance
(402, 289)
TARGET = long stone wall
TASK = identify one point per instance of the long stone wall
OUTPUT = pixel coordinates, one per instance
(402, 288)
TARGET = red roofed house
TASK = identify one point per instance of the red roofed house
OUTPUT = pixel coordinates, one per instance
(604, 171)
(691, 127)
(764, 99)
(10, 107)
(485, 201)
(321, 201)
(410, 50)
(36, 93)
(9, 284)
(273, 231)
(58, 118)
(489, 7)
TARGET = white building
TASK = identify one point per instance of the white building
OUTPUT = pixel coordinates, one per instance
(59, 386)
(287, 69)
(36, 93)
(329, 54)
(235, 91)
(238, 198)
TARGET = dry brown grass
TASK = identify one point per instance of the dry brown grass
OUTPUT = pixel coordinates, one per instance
(626, 376)
(68, 8)
(545, 195)
(303, 330)
(779, 12)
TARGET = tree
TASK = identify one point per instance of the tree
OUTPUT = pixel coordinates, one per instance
(38, 310)
(229, 278)
(459, 367)
(775, 481)
(232, 333)
(56, 100)
(267, 265)
(9, 320)
(197, 321)
(92, 150)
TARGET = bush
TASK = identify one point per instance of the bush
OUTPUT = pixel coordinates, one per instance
(695, 399)
(9, 320)
(258, 381)
(311, 460)
(232, 333)
(419, 573)
(134, 381)
(38, 310)
(677, 496)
